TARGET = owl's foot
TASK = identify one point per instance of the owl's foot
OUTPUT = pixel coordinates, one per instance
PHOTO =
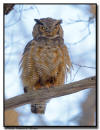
(49, 85)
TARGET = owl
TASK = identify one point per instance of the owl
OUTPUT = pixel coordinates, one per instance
(45, 60)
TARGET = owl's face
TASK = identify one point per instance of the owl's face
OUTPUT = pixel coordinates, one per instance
(47, 27)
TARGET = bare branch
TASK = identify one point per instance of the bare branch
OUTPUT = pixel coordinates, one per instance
(87, 22)
(53, 92)
(8, 8)
(76, 72)
(16, 21)
(84, 66)
(79, 67)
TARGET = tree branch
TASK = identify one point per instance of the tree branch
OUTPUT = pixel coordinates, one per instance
(48, 93)
(8, 8)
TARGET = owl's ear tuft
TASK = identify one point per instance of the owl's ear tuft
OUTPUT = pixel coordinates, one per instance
(59, 22)
(38, 21)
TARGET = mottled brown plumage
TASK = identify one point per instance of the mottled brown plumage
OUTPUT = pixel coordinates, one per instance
(45, 59)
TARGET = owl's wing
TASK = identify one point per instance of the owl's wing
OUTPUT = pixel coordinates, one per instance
(28, 71)
(27, 47)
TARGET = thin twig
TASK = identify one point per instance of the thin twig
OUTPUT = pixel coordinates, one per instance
(84, 66)
(76, 72)
(88, 22)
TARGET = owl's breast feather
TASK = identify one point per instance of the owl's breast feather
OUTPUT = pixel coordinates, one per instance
(47, 58)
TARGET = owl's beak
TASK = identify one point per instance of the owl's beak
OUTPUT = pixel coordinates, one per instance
(48, 30)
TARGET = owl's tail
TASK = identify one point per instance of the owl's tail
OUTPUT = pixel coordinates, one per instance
(38, 108)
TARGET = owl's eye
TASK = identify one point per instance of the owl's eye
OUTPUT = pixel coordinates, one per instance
(43, 28)
(55, 28)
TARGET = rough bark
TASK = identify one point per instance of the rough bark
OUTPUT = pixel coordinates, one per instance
(41, 95)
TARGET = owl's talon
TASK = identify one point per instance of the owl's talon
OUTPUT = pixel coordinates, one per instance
(34, 88)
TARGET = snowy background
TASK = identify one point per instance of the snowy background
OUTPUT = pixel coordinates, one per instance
(79, 27)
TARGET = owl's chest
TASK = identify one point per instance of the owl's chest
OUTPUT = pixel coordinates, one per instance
(47, 53)
(46, 58)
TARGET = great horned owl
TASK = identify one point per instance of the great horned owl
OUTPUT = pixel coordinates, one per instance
(45, 59)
